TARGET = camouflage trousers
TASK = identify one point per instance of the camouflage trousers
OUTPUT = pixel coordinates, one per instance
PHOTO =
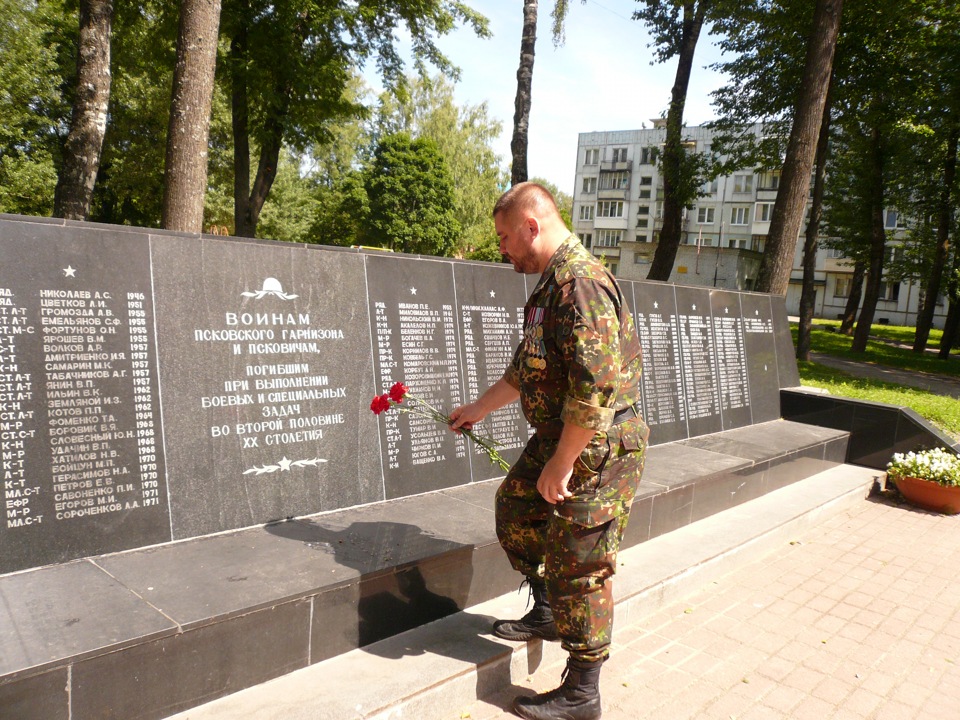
(573, 545)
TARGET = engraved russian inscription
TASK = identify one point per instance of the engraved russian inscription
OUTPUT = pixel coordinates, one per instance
(80, 428)
(416, 339)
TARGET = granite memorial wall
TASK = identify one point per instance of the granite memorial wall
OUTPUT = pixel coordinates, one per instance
(157, 386)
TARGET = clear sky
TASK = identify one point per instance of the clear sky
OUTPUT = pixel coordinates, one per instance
(601, 79)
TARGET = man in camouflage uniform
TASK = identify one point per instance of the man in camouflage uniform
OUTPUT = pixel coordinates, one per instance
(562, 509)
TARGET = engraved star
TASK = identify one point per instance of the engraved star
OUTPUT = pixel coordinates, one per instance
(694, 307)
(69, 271)
(726, 311)
(285, 464)
(756, 312)
(493, 293)
(656, 305)
(413, 291)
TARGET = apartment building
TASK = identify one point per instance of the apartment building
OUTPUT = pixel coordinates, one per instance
(618, 214)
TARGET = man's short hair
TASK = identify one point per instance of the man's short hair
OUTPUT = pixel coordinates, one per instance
(526, 197)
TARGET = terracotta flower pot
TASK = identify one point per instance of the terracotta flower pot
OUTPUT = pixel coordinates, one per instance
(930, 495)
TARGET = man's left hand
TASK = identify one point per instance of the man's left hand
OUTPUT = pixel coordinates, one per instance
(553, 481)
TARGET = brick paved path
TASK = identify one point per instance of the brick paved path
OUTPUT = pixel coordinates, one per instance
(858, 618)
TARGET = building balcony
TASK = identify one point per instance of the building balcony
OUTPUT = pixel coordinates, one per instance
(611, 223)
(613, 194)
(608, 166)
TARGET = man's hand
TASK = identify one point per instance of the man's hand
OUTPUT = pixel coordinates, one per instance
(553, 481)
(465, 416)
(497, 395)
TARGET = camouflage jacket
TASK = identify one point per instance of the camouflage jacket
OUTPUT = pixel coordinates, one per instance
(579, 360)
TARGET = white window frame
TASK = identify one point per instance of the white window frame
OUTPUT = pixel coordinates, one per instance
(619, 154)
(706, 215)
(586, 212)
(763, 212)
(743, 183)
(589, 185)
(591, 156)
(609, 238)
(769, 180)
(618, 180)
(610, 209)
(740, 216)
(841, 286)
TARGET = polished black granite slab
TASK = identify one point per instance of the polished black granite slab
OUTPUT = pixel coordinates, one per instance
(153, 680)
(876, 430)
(765, 441)
(265, 362)
(82, 461)
(68, 612)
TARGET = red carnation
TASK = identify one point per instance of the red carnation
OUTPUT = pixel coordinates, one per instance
(398, 391)
(379, 404)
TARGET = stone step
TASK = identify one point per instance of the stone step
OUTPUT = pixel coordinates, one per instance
(436, 670)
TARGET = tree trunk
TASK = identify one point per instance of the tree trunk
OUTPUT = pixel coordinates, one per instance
(853, 300)
(521, 114)
(185, 180)
(239, 118)
(944, 222)
(878, 242)
(673, 152)
(808, 295)
(951, 329)
(788, 210)
(88, 123)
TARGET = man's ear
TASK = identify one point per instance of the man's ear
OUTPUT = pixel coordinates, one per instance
(534, 226)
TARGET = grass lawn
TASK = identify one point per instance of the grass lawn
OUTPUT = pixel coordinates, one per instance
(944, 412)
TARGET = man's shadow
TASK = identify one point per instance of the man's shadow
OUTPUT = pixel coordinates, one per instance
(406, 579)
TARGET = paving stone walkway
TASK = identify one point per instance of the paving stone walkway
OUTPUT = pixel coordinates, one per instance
(858, 618)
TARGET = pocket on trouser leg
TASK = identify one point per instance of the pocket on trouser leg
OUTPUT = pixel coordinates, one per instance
(579, 564)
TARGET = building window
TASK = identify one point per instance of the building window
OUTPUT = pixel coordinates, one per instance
(842, 287)
(645, 194)
(648, 155)
(643, 222)
(769, 180)
(613, 267)
(742, 183)
(892, 220)
(586, 212)
(740, 216)
(890, 291)
(643, 209)
(835, 253)
(705, 215)
(587, 239)
(589, 185)
(615, 180)
(592, 156)
(646, 180)
(610, 208)
(609, 238)
(710, 187)
(641, 239)
(764, 211)
(619, 155)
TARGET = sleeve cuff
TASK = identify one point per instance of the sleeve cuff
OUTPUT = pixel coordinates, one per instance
(592, 417)
(512, 378)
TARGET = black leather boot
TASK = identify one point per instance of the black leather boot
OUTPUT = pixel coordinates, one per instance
(578, 698)
(538, 623)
